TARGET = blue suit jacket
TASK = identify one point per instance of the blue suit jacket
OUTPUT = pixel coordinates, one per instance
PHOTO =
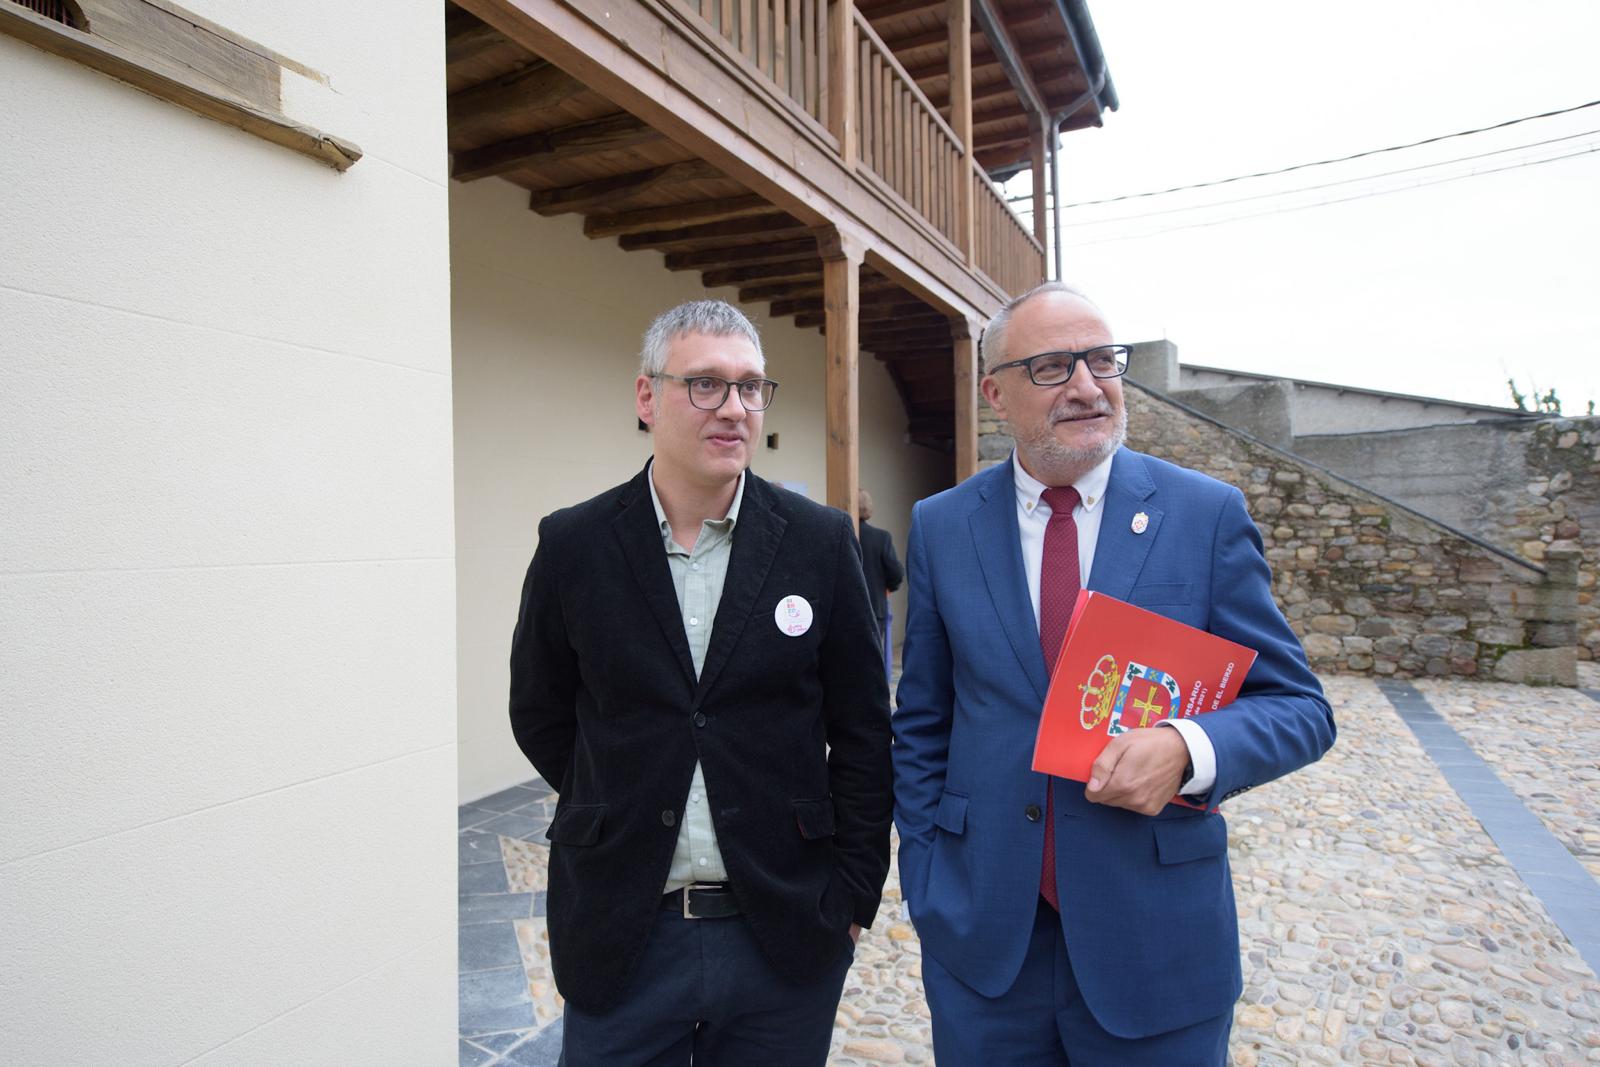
(1146, 903)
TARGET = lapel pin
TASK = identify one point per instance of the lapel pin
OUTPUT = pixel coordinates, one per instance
(1141, 523)
(793, 615)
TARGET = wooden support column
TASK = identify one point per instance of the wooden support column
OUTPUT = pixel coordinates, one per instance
(964, 334)
(841, 87)
(959, 29)
(1039, 138)
(842, 254)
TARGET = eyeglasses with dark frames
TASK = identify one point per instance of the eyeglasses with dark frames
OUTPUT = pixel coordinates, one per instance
(1053, 368)
(708, 392)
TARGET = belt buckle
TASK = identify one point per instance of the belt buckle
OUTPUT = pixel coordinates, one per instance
(686, 890)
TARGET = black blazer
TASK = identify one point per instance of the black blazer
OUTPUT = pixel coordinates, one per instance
(881, 567)
(792, 732)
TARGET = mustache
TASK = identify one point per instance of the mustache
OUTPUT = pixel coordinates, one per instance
(1071, 409)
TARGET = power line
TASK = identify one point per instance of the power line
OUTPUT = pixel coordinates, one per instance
(1340, 200)
(1331, 185)
(1339, 159)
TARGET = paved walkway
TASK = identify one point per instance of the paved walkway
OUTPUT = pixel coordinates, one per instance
(1427, 894)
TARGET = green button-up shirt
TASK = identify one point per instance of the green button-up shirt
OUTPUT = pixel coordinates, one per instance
(697, 575)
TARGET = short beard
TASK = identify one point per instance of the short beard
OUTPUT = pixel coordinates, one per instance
(1057, 464)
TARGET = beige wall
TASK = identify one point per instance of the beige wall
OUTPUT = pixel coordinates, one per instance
(227, 747)
(546, 337)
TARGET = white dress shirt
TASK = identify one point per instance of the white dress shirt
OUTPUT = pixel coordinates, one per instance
(1033, 515)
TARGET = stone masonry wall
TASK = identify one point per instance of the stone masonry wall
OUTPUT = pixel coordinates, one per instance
(1370, 587)
(1521, 484)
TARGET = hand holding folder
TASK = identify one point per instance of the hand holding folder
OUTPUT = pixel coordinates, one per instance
(1122, 668)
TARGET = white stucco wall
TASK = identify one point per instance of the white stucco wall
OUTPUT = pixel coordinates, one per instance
(227, 744)
(547, 325)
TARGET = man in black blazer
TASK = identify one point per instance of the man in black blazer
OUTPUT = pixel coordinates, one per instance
(883, 572)
(694, 671)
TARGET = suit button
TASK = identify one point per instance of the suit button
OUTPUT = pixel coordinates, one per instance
(699, 718)
(1032, 812)
(668, 818)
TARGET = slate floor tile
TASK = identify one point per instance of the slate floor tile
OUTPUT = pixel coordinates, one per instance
(490, 1020)
(480, 878)
(487, 945)
(507, 799)
(515, 826)
(492, 907)
(498, 1043)
(541, 1050)
(475, 846)
(469, 816)
(473, 1056)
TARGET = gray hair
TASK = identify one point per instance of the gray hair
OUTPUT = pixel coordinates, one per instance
(717, 318)
(992, 345)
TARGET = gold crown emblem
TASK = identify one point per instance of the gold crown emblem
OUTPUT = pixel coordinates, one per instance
(1099, 693)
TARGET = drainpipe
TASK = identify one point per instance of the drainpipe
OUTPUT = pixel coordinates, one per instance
(1092, 61)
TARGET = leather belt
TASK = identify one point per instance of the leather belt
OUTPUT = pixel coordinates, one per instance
(702, 900)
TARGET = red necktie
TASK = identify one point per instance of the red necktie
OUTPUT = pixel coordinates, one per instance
(1058, 592)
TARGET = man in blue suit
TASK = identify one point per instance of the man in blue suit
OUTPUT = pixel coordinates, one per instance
(1062, 922)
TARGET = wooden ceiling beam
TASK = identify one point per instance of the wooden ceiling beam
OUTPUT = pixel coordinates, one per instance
(773, 226)
(782, 309)
(467, 39)
(553, 146)
(645, 219)
(989, 19)
(800, 270)
(902, 350)
(583, 195)
(755, 294)
(895, 8)
(525, 90)
(744, 255)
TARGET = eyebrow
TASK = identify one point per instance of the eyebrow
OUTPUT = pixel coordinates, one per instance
(713, 374)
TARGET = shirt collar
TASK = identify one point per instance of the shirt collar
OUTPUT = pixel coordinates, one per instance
(732, 518)
(1091, 487)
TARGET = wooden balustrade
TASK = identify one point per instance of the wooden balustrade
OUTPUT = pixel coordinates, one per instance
(1005, 250)
(899, 137)
(786, 40)
(902, 139)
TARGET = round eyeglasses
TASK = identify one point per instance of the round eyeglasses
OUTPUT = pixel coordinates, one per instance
(708, 393)
(1053, 368)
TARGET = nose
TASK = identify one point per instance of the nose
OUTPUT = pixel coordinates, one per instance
(1080, 383)
(732, 409)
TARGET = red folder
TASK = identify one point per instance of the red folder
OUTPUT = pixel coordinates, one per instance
(1121, 668)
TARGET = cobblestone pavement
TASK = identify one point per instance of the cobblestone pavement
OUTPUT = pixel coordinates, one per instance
(1378, 922)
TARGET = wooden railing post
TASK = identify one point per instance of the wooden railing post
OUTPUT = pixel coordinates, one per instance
(959, 29)
(842, 255)
(964, 334)
(841, 87)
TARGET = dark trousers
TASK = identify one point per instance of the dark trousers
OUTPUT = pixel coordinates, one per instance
(886, 628)
(1042, 1020)
(704, 993)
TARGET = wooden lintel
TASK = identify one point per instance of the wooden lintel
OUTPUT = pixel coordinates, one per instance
(619, 186)
(641, 220)
(771, 226)
(552, 146)
(743, 255)
(523, 91)
(798, 270)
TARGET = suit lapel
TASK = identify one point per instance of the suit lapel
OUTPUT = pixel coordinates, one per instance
(1120, 553)
(756, 536)
(998, 544)
(639, 533)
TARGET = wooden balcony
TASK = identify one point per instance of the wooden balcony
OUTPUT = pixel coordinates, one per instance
(830, 158)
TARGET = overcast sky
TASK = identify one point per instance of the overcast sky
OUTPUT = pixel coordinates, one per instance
(1443, 289)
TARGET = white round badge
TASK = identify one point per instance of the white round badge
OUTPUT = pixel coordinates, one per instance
(793, 615)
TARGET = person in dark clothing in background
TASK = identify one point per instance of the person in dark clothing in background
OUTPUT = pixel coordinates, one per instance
(883, 570)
